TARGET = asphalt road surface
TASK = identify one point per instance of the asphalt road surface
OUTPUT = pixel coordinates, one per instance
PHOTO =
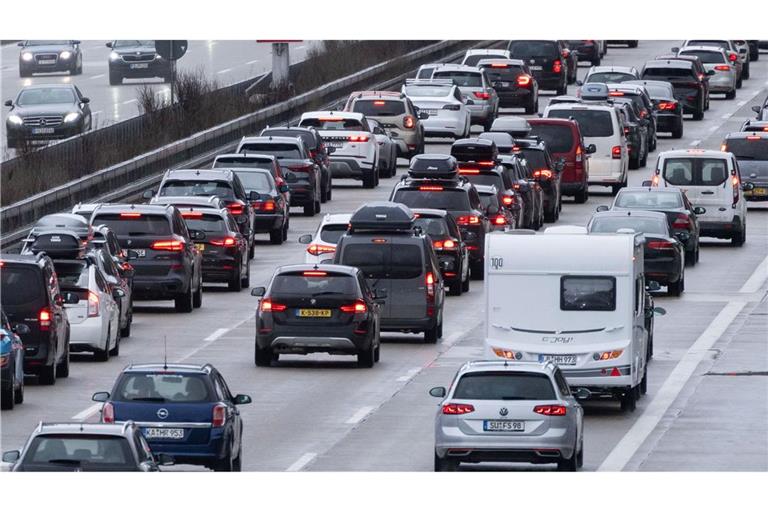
(705, 407)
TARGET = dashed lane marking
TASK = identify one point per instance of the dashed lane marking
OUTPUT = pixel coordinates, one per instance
(218, 333)
(409, 375)
(303, 461)
(94, 77)
(87, 413)
(695, 142)
(359, 415)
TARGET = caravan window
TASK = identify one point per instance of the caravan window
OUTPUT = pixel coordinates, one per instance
(588, 293)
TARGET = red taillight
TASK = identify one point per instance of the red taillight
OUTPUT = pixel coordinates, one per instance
(557, 66)
(444, 244)
(236, 208)
(508, 200)
(430, 282)
(544, 174)
(754, 137)
(626, 131)
(723, 68)
(499, 220)
(224, 242)
(167, 245)
(314, 273)
(732, 57)
(660, 245)
(359, 138)
(615, 93)
(616, 152)
(655, 180)
(312, 153)
(264, 206)
(93, 304)
(130, 215)
(681, 221)
(668, 105)
(550, 410)
(318, 249)
(267, 306)
(469, 171)
(499, 65)
(108, 413)
(482, 95)
(579, 154)
(219, 415)
(192, 215)
(358, 307)
(466, 220)
(523, 80)
(409, 122)
(458, 408)
(431, 188)
(44, 319)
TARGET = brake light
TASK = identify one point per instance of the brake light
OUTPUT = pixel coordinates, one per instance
(267, 306)
(668, 105)
(660, 245)
(444, 244)
(723, 147)
(409, 122)
(578, 154)
(219, 415)
(466, 220)
(359, 138)
(508, 200)
(732, 57)
(754, 137)
(379, 103)
(681, 221)
(469, 171)
(482, 95)
(358, 307)
(616, 152)
(550, 410)
(192, 215)
(430, 282)
(545, 174)
(431, 188)
(735, 183)
(499, 220)
(609, 354)
(93, 304)
(314, 273)
(655, 180)
(318, 249)
(615, 93)
(236, 208)
(723, 68)
(44, 319)
(130, 215)
(330, 119)
(264, 206)
(108, 413)
(458, 408)
(499, 65)
(557, 66)
(224, 242)
(626, 131)
(167, 245)
(524, 80)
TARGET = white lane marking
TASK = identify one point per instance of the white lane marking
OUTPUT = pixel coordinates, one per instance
(453, 338)
(253, 61)
(301, 47)
(695, 142)
(634, 438)
(94, 77)
(410, 374)
(209, 342)
(303, 461)
(218, 333)
(742, 103)
(725, 116)
(224, 71)
(359, 415)
(128, 102)
(87, 413)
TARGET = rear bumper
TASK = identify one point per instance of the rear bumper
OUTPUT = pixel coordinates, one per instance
(515, 98)
(750, 195)
(199, 454)
(549, 80)
(331, 340)
(351, 167)
(159, 289)
(572, 188)
(545, 448)
(668, 122)
(87, 336)
(663, 270)
(267, 222)
(720, 229)
(408, 324)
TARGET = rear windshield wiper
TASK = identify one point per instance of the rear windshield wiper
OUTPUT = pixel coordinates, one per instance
(318, 294)
(149, 399)
(515, 398)
(138, 233)
(72, 462)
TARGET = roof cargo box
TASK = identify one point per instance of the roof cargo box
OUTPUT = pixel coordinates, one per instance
(594, 91)
(434, 166)
(504, 141)
(66, 221)
(475, 150)
(382, 216)
(59, 244)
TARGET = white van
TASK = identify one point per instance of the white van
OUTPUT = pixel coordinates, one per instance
(584, 313)
(710, 179)
(601, 125)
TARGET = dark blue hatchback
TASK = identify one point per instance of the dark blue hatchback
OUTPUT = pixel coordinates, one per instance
(185, 411)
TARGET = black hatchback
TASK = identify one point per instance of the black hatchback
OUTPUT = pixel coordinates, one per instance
(450, 248)
(545, 60)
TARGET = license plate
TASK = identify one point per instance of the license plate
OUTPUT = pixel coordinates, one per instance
(47, 61)
(139, 66)
(200, 247)
(503, 426)
(535, 68)
(502, 84)
(565, 360)
(335, 144)
(430, 111)
(164, 433)
(42, 131)
(141, 252)
(315, 313)
(758, 192)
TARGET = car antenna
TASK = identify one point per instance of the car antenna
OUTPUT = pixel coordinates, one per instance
(165, 352)
(506, 362)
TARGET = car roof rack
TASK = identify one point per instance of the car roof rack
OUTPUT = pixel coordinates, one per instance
(384, 216)
(429, 81)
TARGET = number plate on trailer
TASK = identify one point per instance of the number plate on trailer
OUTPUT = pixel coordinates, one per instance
(139, 66)
(315, 313)
(503, 426)
(564, 360)
(42, 131)
(535, 68)
(164, 433)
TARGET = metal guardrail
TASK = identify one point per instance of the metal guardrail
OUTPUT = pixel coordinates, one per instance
(127, 180)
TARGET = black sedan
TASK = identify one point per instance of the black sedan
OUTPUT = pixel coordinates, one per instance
(663, 253)
(38, 56)
(269, 205)
(136, 59)
(306, 309)
(450, 248)
(42, 113)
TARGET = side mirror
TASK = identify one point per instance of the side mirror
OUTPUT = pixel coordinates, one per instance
(108, 45)
(11, 457)
(283, 188)
(438, 392)
(602, 208)
(21, 329)
(756, 109)
(699, 210)
(259, 291)
(591, 149)
(652, 286)
(305, 239)
(711, 72)
(659, 311)
(423, 115)
(746, 186)
(85, 100)
(118, 293)
(241, 399)
(675, 49)
(582, 393)
(9, 103)
(196, 234)
(579, 82)
(100, 396)
(131, 254)
(148, 194)
(378, 131)
(290, 177)
(70, 298)
(330, 150)
(682, 236)
(254, 196)
(163, 459)
(647, 183)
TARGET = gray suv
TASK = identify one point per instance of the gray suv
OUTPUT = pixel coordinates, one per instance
(400, 266)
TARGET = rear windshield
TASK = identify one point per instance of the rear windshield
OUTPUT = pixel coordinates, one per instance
(197, 188)
(379, 108)
(461, 78)
(486, 179)
(428, 91)
(251, 163)
(504, 386)
(307, 286)
(135, 226)
(472, 60)
(706, 57)
(331, 233)
(307, 137)
(559, 138)
(82, 451)
(748, 149)
(72, 274)
(207, 223)
(506, 74)
(258, 181)
(720, 44)
(162, 387)
(384, 260)
(448, 199)
(638, 224)
(664, 73)
(25, 282)
(610, 77)
(332, 124)
(276, 149)
(488, 200)
(695, 171)
(649, 200)
(537, 159)
(592, 123)
(657, 91)
(519, 49)
(587, 293)
(434, 227)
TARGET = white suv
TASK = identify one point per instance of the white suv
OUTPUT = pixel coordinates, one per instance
(355, 152)
(321, 247)
(711, 179)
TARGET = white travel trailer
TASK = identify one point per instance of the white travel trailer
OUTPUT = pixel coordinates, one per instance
(584, 307)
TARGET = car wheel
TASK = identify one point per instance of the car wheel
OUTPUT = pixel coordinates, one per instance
(116, 349)
(677, 133)
(197, 298)
(377, 350)
(644, 383)
(698, 115)
(115, 79)
(431, 335)
(596, 62)
(263, 356)
(235, 282)
(225, 464)
(455, 288)
(445, 464)
(730, 94)
(329, 191)
(48, 375)
(62, 369)
(465, 284)
(739, 82)
(276, 236)
(309, 210)
(245, 282)
(23, 73)
(629, 400)
(676, 288)
(580, 456)
(745, 73)
(285, 230)
(103, 355)
(581, 196)
(644, 160)
(19, 398)
(183, 301)
(531, 108)
(570, 464)
(8, 398)
(562, 90)
(738, 238)
(370, 181)
(237, 464)
(367, 357)
(125, 332)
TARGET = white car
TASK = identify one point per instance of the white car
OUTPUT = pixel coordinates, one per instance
(355, 149)
(387, 149)
(95, 320)
(711, 179)
(448, 113)
(322, 245)
(472, 57)
(610, 74)
(714, 59)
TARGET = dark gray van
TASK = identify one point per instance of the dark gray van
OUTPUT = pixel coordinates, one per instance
(400, 265)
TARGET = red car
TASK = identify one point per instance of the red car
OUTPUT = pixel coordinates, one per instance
(564, 140)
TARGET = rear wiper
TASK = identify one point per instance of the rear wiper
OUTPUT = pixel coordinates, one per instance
(138, 233)
(514, 398)
(149, 399)
(73, 462)
(326, 293)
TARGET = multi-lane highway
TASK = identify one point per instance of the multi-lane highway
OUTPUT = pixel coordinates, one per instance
(703, 409)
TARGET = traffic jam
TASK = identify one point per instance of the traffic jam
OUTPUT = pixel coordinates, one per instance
(495, 264)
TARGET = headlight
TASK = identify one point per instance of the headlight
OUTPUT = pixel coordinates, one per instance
(14, 119)
(26, 56)
(65, 54)
(71, 117)
(114, 56)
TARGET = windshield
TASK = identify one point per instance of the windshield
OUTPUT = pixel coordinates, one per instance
(197, 188)
(333, 124)
(519, 49)
(130, 43)
(504, 386)
(379, 108)
(610, 77)
(587, 293)
(251, 163)
(83, 451)
(276, 149)
(663, 73)
(163, 387)
(37, 42)
(258, 181)
(592, 123)
(207, 223)
(748, 149)
(331, 233)
(638, 224)
(45, 96)
(434, 227)
(649, 200)
(705, 56)
(446, 199)
(695, 171)
(559, 138)
(428, 91)
(135, 226)
(304, 286)
(461, 78)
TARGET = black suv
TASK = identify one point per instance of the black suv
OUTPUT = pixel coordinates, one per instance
(546, 172)
(31, 296)
(548, 61)
(690, 87)
(452, 253)
(433, 182)
(136, 59)
(167, 264)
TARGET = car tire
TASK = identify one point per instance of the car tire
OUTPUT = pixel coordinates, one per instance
(456, 288)
(698, 115)
(644, 383)
(676, 289)
(730, 95)
(329, 191)
(125, 332)
(235, 283)
(103, 355)
(738, 238)
(367, 357)
(310, 210)
(629, 400)
(197, 297)
(47, 375)
(226, 464)
(580, 457)
(633, 44)
(445, 464)
(263, 356)
(183, 301)
(237, 463)
(615, 188)
(477, 270)
(432, 335)
(691, 257)
(531, 108)
(570, 464)
(8, 398)
(19, 396)
(677, 132)
(116, 349)
(276, 236)
(286, 225)
(562, 90)
(745, 73)
(739, 82)
(582, 195)
(369, 181)
(115, 79)
(596, 62)
(465, 284)
(62, 369)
